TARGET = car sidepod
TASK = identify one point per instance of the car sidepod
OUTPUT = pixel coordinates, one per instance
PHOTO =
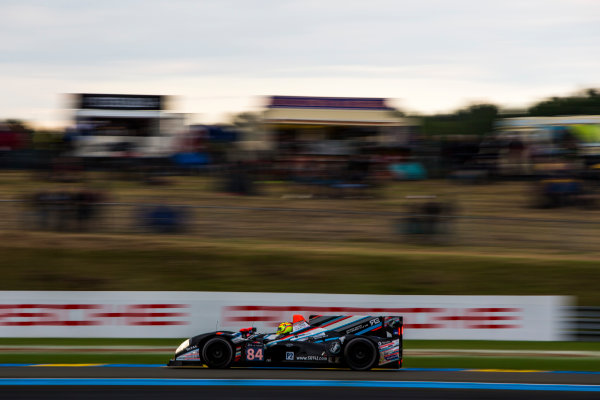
(306, 353)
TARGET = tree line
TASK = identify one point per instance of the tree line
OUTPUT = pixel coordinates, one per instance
(478, 119)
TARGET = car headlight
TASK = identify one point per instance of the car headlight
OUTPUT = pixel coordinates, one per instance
(182, 346)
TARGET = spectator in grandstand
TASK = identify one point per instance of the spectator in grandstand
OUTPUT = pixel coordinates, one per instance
(86, 203)
(65, 210)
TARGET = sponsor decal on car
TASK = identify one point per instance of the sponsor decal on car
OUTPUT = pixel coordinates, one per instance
(389, 351)
(289, 356)
(335, 347)
(193, 355)
(356, 328)
(311, 358)
(300, 325)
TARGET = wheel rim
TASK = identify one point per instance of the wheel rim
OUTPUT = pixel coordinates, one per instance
(360, 355)
(217, 353)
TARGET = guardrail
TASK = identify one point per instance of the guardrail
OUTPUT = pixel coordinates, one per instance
(586, 323)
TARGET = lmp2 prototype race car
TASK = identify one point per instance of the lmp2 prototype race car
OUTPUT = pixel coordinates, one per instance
(359, 342)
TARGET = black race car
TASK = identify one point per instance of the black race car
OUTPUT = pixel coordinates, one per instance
(356, 341)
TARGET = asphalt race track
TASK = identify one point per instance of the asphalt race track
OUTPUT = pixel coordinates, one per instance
(154, 382)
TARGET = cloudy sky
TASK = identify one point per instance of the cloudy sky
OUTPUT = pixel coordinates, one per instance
(220, 57)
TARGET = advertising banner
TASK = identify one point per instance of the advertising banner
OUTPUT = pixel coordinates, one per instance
(119, 102)
(184, 314)
(349, 103)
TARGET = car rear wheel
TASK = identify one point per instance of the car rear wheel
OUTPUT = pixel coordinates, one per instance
(217, 353)
(360, 354)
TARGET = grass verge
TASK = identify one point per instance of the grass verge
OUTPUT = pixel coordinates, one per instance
(239, 266)
(55, 356)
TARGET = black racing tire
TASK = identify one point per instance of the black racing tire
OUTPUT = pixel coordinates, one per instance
(217, 353)
(360, 354)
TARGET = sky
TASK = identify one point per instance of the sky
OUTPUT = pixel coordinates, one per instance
(222, 57)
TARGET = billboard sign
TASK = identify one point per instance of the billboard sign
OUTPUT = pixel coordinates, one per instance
(119, 102)
(184, 314)
(350, 103)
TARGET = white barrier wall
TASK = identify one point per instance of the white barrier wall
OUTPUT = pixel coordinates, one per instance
(184, 314)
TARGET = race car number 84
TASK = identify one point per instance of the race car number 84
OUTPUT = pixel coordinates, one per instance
(254, 353)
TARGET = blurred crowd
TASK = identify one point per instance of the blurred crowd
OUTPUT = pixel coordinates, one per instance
(560, 175)
(66, 210)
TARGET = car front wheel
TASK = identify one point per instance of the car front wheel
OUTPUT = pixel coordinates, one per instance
(217, 353)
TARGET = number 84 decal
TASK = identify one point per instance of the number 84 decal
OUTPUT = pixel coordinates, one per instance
(254, 354)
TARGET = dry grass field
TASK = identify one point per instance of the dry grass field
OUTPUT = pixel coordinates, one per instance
(280, 241)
